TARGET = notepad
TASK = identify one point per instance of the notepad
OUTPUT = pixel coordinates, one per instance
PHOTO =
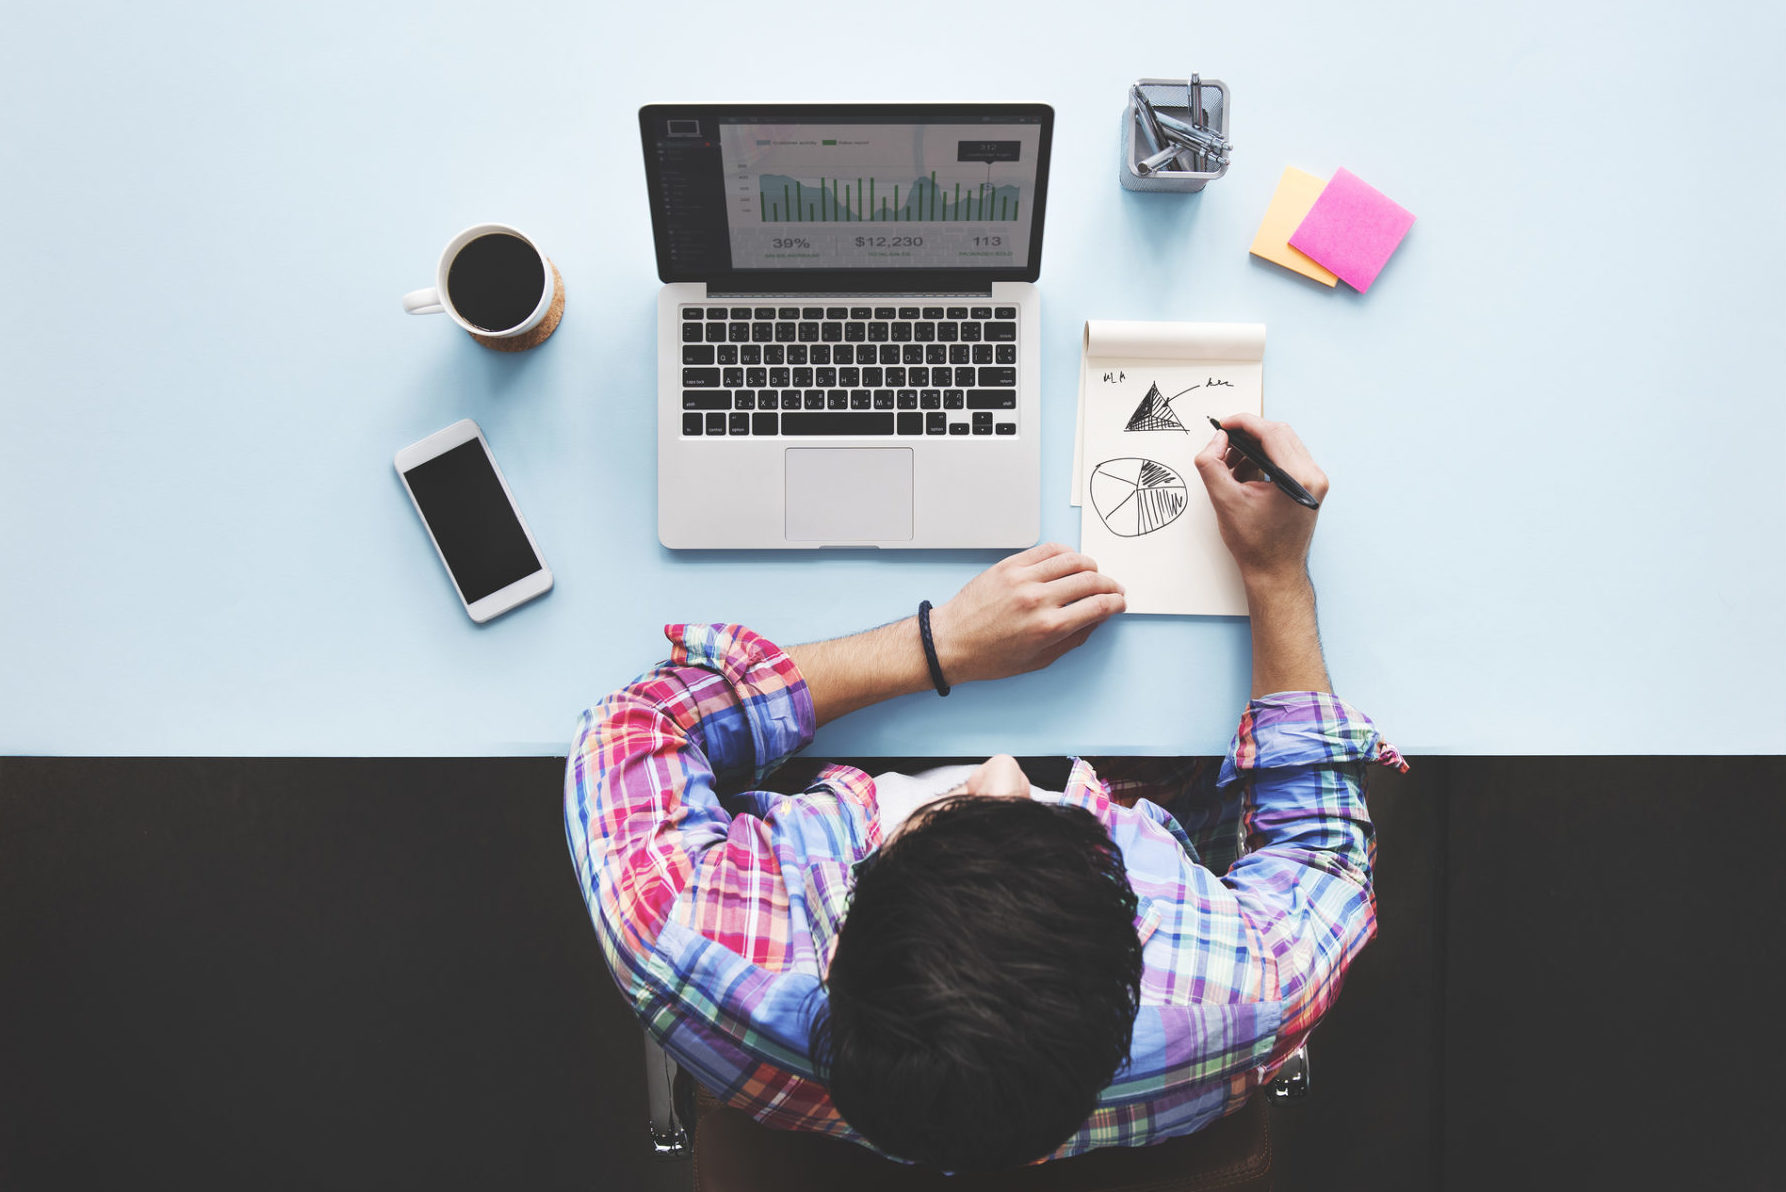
(1352, 229)
(1296, 193)
(1146, 392)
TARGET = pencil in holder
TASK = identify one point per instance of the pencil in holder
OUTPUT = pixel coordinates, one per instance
(1174, 111)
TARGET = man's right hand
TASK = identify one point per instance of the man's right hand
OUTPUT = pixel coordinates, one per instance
(1267, 533)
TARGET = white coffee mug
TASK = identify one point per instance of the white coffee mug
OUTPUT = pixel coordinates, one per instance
(435, 299)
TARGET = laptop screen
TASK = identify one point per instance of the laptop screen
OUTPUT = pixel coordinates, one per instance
(840, 196)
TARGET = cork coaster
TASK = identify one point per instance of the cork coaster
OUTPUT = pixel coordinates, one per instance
(540, 333)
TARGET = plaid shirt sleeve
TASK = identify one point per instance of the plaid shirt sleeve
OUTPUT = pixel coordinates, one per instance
(1304, 886)
(642, 813)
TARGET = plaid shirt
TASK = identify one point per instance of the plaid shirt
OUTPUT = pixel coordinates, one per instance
(718, 922)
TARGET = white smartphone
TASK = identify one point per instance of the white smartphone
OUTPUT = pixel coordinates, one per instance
(473, 521)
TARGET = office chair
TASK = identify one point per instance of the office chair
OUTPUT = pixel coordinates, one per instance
(731, 1152)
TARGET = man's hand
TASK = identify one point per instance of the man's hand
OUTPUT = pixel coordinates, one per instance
(1267, 533)
(1022, 613)
(1018, 615)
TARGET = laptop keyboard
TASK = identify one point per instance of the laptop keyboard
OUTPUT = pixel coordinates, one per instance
(792, 371)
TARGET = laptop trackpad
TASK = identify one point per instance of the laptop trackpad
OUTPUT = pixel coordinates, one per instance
(849, 494)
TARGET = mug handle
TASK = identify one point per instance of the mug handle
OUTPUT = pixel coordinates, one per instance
(423, 302)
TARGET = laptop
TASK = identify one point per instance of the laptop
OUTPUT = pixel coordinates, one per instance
(849, 330)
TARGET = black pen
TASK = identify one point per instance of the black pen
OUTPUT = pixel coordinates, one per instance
(1253, 450)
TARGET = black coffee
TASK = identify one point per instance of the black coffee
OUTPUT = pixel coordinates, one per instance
(496, 281)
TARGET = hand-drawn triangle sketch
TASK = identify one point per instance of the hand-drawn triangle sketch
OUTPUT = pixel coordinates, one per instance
(1155, 412)
(1136, 496)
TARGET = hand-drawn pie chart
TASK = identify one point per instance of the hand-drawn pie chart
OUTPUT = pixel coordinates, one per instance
(1136, 496)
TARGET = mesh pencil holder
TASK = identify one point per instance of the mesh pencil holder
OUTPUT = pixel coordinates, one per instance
(1169, 96)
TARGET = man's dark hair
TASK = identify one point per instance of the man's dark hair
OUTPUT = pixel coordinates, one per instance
(984, 986)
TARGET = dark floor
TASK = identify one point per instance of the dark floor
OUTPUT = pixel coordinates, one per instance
(378, 974)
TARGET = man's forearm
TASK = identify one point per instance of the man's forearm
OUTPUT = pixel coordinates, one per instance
(853, 672)
(1018, 615)
(1286, 640)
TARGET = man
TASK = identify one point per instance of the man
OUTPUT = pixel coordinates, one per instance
(1010, 974)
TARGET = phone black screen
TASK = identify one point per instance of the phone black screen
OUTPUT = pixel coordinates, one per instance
(479, 535)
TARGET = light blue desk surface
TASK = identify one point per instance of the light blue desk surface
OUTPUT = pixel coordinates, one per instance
(1554, 426)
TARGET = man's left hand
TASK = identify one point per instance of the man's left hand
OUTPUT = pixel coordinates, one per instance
(1022, 613)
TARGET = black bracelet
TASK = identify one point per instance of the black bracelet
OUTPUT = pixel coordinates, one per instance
(936, 668)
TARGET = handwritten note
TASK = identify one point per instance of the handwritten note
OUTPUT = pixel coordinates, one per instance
(1147, 391)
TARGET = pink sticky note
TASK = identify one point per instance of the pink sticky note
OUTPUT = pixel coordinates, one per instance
(1352, 229)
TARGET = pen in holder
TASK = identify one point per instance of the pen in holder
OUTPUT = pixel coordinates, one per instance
(1175, 134)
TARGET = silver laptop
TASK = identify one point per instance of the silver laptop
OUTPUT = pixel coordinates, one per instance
(849, 330)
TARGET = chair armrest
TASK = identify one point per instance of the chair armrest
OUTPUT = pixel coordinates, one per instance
(1292, 1080)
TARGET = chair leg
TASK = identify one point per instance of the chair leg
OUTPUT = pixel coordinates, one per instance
(669, 1137)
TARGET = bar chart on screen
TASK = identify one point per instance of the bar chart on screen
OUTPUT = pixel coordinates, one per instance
(879, 195)
(781, 199)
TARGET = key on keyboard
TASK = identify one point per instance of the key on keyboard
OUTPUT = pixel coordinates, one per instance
(828, 423)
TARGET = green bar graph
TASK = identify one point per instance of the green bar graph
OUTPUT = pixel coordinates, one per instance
(920, 200)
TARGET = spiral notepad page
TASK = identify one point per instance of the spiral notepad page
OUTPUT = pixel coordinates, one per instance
(1146, 393)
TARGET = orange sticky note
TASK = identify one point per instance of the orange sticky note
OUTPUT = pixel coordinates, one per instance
(1296, 193)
